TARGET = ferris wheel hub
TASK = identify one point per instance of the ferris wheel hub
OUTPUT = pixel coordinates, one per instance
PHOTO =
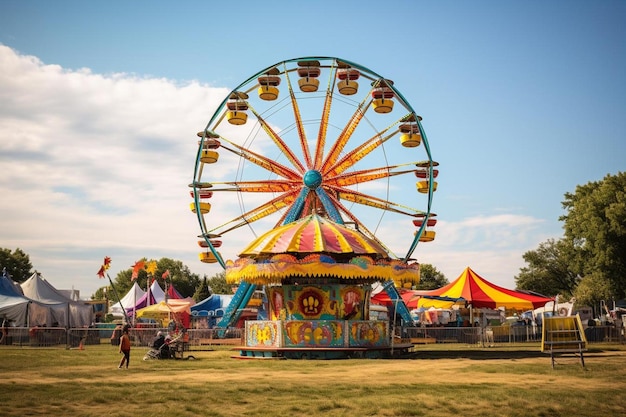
(312, 179)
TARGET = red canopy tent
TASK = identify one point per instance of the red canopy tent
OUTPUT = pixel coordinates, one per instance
(172, 293)
(408, 297)
(479, 293)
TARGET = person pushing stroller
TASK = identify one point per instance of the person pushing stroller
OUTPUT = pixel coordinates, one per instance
(160, 348)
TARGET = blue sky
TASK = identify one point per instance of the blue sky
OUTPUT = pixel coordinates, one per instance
(100, 102)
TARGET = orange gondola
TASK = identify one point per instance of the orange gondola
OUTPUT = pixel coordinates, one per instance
(429, 223)
(202, 194)
(214, 242)
(423, 173)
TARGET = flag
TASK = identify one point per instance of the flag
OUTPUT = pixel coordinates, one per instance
(151, 268)
(138, 266)
(165, 274)
(105, 266)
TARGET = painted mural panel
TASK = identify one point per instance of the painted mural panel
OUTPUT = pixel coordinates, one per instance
(315, 333)
(324, 302)
(277, 307)
(368, 334)
(263, 333)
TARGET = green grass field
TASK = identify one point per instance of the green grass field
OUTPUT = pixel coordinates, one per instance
(438, 380)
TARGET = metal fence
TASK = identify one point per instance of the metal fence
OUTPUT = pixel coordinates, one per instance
(501, 334)
(199, 339)
(140, 337)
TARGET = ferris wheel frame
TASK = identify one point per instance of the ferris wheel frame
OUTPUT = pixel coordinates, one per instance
(288, 67)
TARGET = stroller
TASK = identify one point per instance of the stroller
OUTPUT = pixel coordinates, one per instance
(160, 348)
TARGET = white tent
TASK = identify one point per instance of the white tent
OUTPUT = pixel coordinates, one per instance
(128, 301)
(67, 312)
(20, 310)
(154, 295)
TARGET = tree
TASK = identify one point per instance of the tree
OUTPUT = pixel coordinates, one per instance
(17, 264)
(595, 225)
(548, 271)
(215, 285)
(430, 278)
(218, 284)
(202, 292)
(592, 289)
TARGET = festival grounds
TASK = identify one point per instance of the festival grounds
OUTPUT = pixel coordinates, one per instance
(436, 380)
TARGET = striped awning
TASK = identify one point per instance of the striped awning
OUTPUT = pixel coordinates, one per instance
(480, 293)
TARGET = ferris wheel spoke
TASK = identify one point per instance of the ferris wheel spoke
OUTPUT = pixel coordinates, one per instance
(282, 146)
(262, 161)
(366, 175)
(344, 137)
(359, 153)
(323, 130)
(299, 125)
(257, 213)
(264, 186)
(372, 201)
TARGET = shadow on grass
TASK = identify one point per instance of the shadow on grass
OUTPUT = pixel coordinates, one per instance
(488, 354)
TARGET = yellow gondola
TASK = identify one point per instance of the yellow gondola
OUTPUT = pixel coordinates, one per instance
(209, 157)
(308, 72)
(347, 84)
(208, 257)
(427, 236)
(411, 136)
(237, 107)
(383, 96)
(204, 207)
(422, 186)
(268, 85)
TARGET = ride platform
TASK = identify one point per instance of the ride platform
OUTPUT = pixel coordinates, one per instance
(388, 352)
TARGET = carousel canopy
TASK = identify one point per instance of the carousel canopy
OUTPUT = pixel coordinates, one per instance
(314, 234)
(315, 247)
(480, 293)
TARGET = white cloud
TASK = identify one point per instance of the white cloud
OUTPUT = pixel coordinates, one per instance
(94, 165)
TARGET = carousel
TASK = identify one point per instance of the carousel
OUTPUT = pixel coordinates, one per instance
(321, 175)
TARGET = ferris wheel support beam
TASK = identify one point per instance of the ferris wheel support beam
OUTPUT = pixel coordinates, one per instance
(330, 208)
(296, 209)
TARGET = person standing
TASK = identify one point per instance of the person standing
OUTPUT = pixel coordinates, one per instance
(125, 347)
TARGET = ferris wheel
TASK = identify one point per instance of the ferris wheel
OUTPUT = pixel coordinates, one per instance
(318, 135)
